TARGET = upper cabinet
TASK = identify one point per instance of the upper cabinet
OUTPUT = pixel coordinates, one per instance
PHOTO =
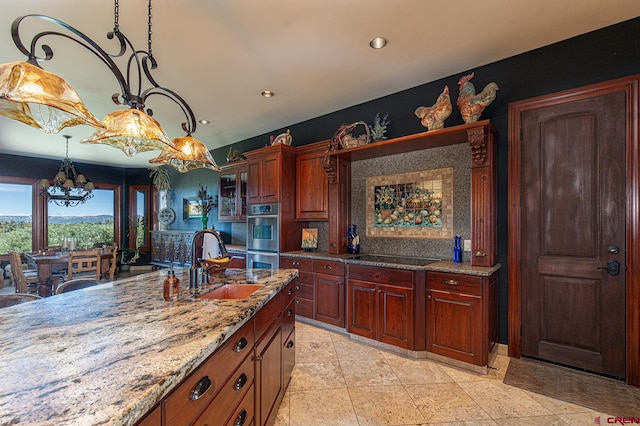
(312, 185)
(233, 192)
(271, 174)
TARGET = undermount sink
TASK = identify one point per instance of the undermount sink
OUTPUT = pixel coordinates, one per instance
(232, 291)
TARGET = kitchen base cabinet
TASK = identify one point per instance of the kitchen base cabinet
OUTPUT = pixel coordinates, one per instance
(244, 380)
(461, 317)
(381, 304)
(329, 299)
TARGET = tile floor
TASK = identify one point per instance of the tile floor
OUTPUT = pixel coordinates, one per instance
(337, 381)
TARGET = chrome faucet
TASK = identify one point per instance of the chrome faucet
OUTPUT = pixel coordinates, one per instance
(195, 272)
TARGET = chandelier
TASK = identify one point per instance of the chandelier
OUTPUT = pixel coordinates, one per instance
(41, 99)
(69, 188)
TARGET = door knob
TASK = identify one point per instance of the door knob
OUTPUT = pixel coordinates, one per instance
(612, 268)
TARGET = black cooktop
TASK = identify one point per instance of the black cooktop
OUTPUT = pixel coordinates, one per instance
(414, 261)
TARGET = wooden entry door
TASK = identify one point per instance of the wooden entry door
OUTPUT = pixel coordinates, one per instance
(573, 203)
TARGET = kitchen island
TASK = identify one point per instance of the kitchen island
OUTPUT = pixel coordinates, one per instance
(108, 354)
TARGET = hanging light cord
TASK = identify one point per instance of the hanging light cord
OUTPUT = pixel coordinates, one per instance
(150, 32)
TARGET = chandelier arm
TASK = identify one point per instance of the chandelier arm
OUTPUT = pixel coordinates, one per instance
(83, 41)
(188, 126)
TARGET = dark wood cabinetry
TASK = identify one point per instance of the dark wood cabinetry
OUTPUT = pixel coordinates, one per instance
(232, 201)
(312, 185)
(244, 380)
(320, 290)
(238, 260)
(381, 304)
(271, 175)
(462, 316)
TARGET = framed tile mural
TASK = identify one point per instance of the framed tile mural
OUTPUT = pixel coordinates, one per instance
(411, 205)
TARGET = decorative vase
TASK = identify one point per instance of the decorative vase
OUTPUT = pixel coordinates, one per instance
(353, 246)
(205, 220)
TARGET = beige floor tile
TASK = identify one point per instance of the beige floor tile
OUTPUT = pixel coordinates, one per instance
(384, 405)
(352, 350)
(445, 402)
(502, 401)
(459, 375)
(416, 371)
(556, 406)
(323, 407)
(468, 423)
(314, 351)
(338, 337)
(317, 375)
(498, 367)
(588, 418)
(308, 333)
(531, 421)
(282, 418)
(368, 372)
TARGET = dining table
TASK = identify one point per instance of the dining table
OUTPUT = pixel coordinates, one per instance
(46, 262)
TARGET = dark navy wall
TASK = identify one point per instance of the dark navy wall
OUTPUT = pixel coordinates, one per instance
(601, 55)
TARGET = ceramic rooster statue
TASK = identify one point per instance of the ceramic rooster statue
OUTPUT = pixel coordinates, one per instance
(433, 117)
(470, 104)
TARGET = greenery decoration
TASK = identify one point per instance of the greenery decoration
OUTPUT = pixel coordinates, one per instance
(160, 177)
(379, 127)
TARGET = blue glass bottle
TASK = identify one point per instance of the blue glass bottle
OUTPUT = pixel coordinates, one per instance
(353, 245)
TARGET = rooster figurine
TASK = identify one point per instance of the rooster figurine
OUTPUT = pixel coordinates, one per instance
(470, 104)
(433, 117)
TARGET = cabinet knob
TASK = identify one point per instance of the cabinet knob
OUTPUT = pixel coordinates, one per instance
(479, 254)
(297, 302)
(259, 358)
(295, 263)
(242, 343)
(429, 297)
(379, 291)
(200, 388)
(290, 312)
(242, 380)
(372, 290)
(297, 287)
(327, 266)
(290, 292)
(242, 417)
(290, 344)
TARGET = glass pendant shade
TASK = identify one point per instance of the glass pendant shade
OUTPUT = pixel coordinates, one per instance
(131, 131)
(40, 98)
(192, 154)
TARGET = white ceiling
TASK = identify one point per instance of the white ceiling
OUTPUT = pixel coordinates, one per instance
(315, 55)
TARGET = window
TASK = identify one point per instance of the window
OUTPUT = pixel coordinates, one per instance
(89, 223)
(138, 217)
(16, 214)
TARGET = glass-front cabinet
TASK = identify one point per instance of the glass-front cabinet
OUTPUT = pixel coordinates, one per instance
(232, 206)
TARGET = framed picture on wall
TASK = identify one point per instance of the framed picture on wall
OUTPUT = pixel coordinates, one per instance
(310, 239)
(191, 208)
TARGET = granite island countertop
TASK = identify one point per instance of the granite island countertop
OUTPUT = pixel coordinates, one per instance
(435, 265)
(107, 354)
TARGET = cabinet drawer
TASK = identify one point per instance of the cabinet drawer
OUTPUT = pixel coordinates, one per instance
(230, 396)
(182, 405)
(469, 284)
(268, 313)
(331, 267)
(304, 290)
(305, 277)
(304, 307)
(289, 293)
(390, 276)
(243, 415)
(296, 263)
(288, 319)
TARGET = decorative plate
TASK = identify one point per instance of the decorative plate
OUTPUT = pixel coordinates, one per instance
(166, 216)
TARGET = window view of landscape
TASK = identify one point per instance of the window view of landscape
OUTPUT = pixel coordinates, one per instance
(88, 223)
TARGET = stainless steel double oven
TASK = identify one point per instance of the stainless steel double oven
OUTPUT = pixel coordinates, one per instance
(263, 241)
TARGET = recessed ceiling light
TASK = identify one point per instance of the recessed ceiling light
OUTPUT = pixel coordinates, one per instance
(203, 121)
(378, 43)
(268, 93)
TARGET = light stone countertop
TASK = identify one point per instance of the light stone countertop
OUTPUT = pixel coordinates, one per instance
(107, 354)
(439, 266)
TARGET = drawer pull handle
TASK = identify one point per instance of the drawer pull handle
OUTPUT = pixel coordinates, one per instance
(200, 388)
(297, 287)
(290, 312)
(259, 358)
(295, 263)
(327, 266)
(451, 282)
(290, 344)
(242, 417)
(290, 292)
(297, 302)
(242, 380)
(373, 290)
(242, 343)
(479, 254)
(429, 297)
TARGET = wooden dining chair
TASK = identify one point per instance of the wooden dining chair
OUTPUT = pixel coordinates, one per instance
(25, 281)
(84, 264)
(76, 284)
(113, 263)
(7, 300)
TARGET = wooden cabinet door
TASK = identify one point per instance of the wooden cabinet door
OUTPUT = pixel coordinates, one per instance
(254, 171)
(361, 312)
(395, 305)
(454, 325)
(312, 188)
(329, 299)
(270, 178)
(269, 374)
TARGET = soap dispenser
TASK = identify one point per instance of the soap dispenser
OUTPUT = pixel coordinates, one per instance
(171, 286)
